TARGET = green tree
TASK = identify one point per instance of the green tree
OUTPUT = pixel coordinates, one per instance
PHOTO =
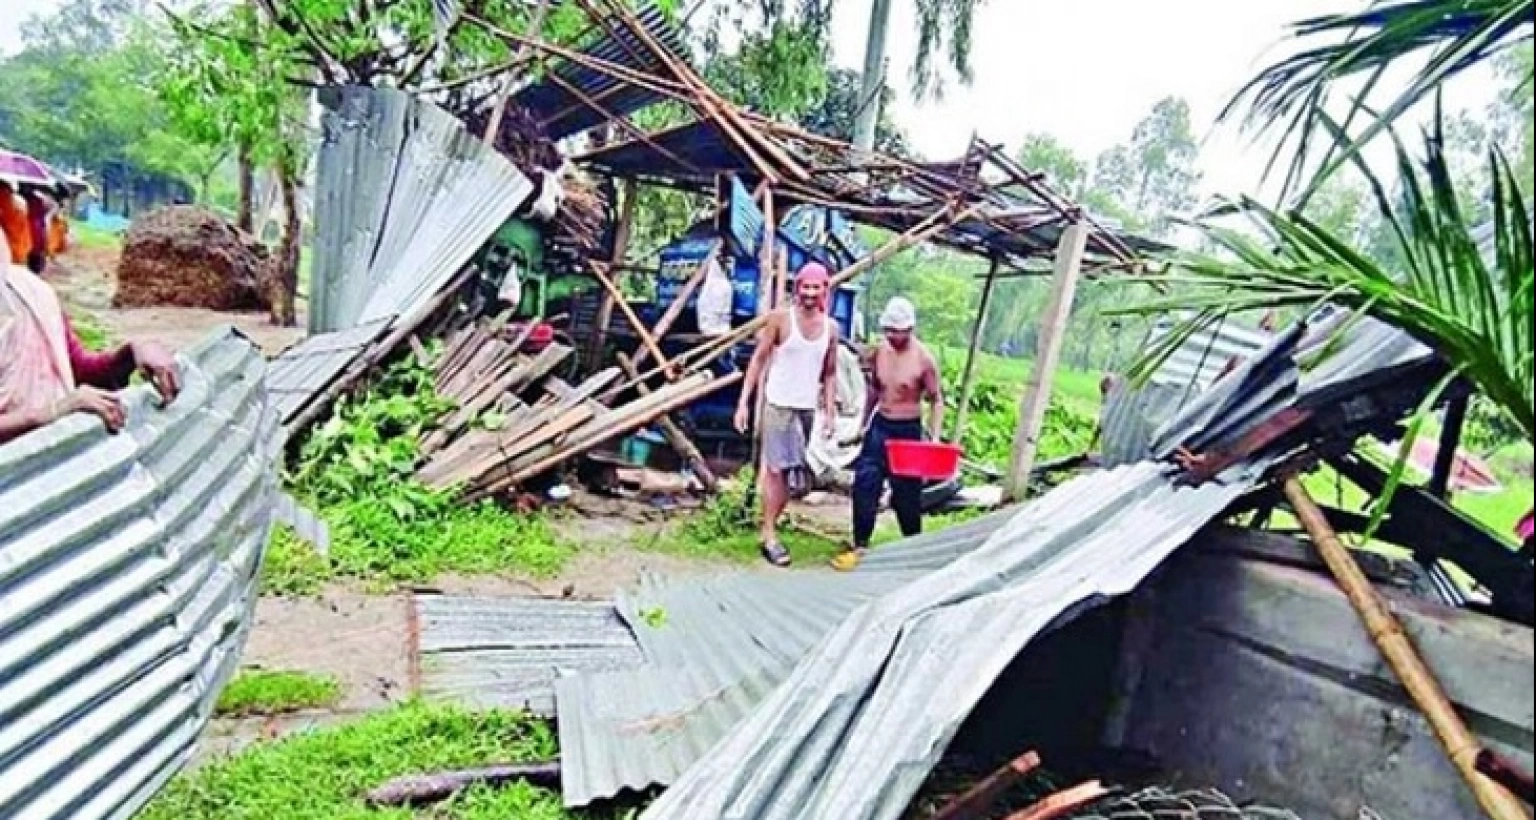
(1064, 170)
(835, 115)
(1146, 183)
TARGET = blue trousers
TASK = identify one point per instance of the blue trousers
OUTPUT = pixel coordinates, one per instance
(872, 471)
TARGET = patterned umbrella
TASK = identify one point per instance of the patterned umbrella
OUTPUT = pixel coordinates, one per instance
(20, 169)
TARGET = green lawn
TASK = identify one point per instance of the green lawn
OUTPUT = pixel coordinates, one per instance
(85, 236)
(324, 775)
(1074, 386)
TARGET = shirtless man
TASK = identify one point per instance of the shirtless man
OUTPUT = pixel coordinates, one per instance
(797, 350)
(903, 375)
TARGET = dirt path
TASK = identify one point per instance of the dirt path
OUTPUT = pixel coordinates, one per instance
(85, 279)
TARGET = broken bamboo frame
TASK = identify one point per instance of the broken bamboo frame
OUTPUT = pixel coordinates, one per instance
(600, 271)
(676, 437)
(976, 800)
(968, 379)
(617, 423)
(679, 304)
(1386, 631)
(704, 355)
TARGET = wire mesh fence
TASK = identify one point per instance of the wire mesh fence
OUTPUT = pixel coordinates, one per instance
(1162, 804)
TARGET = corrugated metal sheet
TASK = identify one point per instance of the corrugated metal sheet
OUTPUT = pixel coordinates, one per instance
(1133, 414)
(127, 579)
(303, 370)
(854, 731)
(714, 648)
(562, 113)
(404, 197)
(507, 652)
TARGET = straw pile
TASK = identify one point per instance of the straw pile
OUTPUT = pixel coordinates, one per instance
(584, 210)
(186, 256)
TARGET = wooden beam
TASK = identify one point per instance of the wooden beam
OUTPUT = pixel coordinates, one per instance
(1460, 745)
(622, 230)
(968, 379)
(1063, 803)
(679, 304)
(1037, 392)
(675, 435)
(1450, 441)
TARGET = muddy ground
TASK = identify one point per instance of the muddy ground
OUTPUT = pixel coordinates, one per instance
(361, 639)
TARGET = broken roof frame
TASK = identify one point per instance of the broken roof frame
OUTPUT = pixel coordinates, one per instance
(1014, 216)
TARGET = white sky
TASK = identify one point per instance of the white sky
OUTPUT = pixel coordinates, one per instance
(1084, 70)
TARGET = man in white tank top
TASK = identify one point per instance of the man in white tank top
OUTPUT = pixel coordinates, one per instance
(797, 352)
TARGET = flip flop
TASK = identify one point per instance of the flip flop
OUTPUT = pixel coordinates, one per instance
(775, 554)
(848, 560)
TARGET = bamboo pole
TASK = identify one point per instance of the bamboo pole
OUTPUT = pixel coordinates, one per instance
(676, 437)
(675, 310)
(1037, 392)
(505, 93)
(1460, 745)
(599, 270)
(968, 380)
(1063, 803)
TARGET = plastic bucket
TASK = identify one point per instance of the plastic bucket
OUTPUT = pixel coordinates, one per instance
(930, 460)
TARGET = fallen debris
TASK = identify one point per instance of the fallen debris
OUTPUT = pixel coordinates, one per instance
(1063, 803)
(502, 435)
(983, 795)
(185, 256)
(425, 789)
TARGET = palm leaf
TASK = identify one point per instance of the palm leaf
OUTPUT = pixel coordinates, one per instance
(1294, 92)
(1474, 308)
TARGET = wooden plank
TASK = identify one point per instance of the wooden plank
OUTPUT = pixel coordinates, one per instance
(983, 795)
(629, 313)
(675, 309)
(677, 438)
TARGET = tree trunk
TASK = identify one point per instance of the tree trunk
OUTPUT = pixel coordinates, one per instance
(244, 217)
(285, 282)
(874, 76)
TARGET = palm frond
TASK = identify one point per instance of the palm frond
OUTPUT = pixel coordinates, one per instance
(1474, 307)
(1294, 92)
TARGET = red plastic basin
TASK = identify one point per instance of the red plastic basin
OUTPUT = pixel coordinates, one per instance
(929, 460)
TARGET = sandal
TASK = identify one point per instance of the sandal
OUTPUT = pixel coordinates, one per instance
(848, 560)
(775, 554)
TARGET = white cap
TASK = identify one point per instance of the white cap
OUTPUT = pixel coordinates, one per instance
(899, 315)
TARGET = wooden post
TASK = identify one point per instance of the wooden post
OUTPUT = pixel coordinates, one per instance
(675, 435)
(968, 380)
(1450, 442)
(1460, 745)
(598, 270)
(1037, 392)
(621, 232)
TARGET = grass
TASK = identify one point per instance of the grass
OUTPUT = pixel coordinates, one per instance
(1075, 387)
(90, 330)
(356, 471)
(84, 236)
(323, 775)
(271, 692)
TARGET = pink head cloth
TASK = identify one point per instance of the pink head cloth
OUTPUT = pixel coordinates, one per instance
(815, 273)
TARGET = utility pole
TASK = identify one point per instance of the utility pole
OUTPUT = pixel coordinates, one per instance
(1037, 392)
(873, 79)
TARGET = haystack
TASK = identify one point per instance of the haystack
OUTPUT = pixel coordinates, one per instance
(186, 256)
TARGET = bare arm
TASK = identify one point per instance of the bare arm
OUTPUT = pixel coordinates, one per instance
(933, 388)
(767, 341)
(18, 422)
